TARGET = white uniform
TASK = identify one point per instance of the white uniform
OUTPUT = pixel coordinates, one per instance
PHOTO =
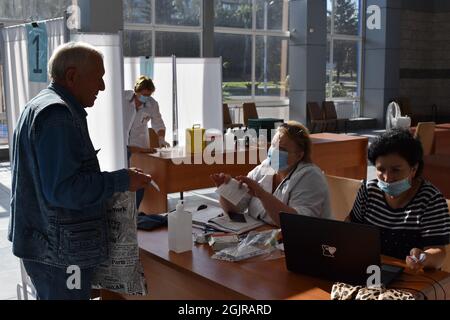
(136, 122)
(305, 189)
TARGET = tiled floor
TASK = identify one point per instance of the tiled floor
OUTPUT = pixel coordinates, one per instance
(9, 264)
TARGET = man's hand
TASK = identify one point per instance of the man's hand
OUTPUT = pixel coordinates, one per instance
(138, 179)
(220, 178)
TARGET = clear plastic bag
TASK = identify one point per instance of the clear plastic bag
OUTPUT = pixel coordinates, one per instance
(261, 244)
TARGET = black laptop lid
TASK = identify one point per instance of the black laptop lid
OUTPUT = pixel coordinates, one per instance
(329, 249)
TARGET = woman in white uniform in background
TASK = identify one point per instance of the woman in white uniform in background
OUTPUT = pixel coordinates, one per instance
(140, 109)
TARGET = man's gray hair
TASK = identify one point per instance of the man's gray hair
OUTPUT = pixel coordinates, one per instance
(70, 55)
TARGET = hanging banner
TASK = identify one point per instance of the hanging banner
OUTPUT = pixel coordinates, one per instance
(146, 66)
(37, 52)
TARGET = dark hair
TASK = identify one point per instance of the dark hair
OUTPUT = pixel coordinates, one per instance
(401, 142)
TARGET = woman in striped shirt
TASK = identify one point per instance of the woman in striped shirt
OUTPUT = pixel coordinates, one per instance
(411, 214)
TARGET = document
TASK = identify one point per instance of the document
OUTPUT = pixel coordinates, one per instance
(224, 223)
(202, 217)
(214, 217)
(232, 192)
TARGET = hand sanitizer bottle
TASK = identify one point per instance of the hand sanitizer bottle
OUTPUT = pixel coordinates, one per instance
(229, 141)
(180, 229)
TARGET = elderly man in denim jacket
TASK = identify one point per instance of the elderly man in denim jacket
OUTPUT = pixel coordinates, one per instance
(58, 191)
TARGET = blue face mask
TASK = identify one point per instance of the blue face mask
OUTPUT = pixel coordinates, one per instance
(278, 159)
(394, 188)
(143, 99)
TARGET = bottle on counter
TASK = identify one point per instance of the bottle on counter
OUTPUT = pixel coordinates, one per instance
(180, 229)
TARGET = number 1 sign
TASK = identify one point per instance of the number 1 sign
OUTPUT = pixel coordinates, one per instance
(37, 52)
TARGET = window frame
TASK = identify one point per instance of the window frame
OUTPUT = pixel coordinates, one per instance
(253, 32)
(357, 39)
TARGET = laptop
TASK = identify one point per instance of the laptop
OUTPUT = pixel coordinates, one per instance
(334, 250)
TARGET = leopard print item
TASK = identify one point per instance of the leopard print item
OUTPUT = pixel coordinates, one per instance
(344, 291)
(393, 294)
(372, 293)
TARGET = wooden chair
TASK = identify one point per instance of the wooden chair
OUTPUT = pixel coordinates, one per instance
(250, 112)
(330, 116)
(315, 117)
(425, 133)
(343, 193)
(227, 122)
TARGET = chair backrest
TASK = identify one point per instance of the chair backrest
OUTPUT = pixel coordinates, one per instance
(425, 133)
(329, 110)
(154, 139)
(250, 112)
(314, 111)
(226, 115)
(343, 193)
(446, 264)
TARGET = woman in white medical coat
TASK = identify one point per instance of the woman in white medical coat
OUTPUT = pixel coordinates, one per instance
(140, 109)
(287, 181)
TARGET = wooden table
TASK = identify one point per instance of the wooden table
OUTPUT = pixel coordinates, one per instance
(195, 275)
(335, 154)
(443, 126)
(184, 173)
(340, 155)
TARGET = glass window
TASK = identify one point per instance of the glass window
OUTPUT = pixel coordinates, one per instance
(271, 66)
(346, 15)
(270, 14)
(33, 9)
(345, 69)
(236, 53)
(180, 12)
(181, 44)
(233, 13)
(137, 11)
(137, 43)
(329, 12)
(329, 69)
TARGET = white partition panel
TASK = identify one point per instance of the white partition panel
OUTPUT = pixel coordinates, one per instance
(199, 85)
(131, 71)
(199, 91)
(105, 118)
(163, 80)
(18, 89)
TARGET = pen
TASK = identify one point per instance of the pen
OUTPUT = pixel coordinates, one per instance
(153, 183)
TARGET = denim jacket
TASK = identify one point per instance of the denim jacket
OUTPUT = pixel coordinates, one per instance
(58, 190)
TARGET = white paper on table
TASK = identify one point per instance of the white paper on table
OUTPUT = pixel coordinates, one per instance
(232, 192)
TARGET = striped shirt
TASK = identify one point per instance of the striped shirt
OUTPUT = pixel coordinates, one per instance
(423, 222)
